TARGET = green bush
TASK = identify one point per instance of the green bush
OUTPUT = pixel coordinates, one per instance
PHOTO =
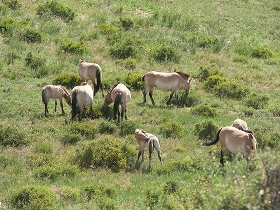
(256, 101)
(55, 171)
(107, 127)
(204, 110)
(126, 23)
(31, 36)
(152, 198)
(206, 71)
(204, 41)
(127, 127)
(125, 48)
(40, 159)
(44, 147)
(128, 63)
(108, 29)
(261, 52)
(134, 82)
(213, 81)
(11, 136)
(12, 4)
(34, 198)
(206, 129)
(171, 129)
(171, 187)
(231, 90)
(73, 47)
(93, 191)
(33, 62)
(106, 153)
(7, 26)
(163, 53)
(84, 129)
(57, 9)
(70, 138)
(69, 80)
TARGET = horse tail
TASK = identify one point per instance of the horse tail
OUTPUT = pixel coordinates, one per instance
(151, 146)
(74, 102)
(117, 102)
(98, 78)
(215, 140)
(44, 96)
(143, 77)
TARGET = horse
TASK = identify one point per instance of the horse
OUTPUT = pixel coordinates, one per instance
(120, 95)
(55, 92)
(147, 139)
(90, 71)
(236, 141)
(241, 125)
(166, 81)
(83, 96)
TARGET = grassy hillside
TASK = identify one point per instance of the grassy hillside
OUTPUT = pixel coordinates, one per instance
(230, 49)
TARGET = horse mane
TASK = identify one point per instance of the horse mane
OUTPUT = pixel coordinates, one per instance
(184, 75)
(113, 86)
(65, 90)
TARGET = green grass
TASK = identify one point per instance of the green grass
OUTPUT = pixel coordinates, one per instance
(220, 36)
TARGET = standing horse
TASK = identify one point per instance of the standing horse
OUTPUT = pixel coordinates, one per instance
(83, 96)
(120, 95)
(90, 71)
(147, 139)
(240, 124)
(166, 81)
(55, 92)
(236, 141)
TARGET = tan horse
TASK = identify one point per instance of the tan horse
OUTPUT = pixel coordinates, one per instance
(166, 81)
(144, 140)
(55, 92)
(82, 96)
(90, 71)
(236, 141)
(120, 95)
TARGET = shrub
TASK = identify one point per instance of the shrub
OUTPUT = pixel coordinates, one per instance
(127, 127)
(204, 110)
(33, 62)
(40, 159)
(68, 80)
(44, 147)
(11, 136)
(261, 52)
(256, 101)
(206, 129)
(12, 4)
(31, 36)
(152, 198)
(105, 153)
(73, 47)
(206, 71)
(189, 100)
(213, 81)
(7, 26)
(108, 29)
(128, 63)
(107, 127)
(134, 81)
(231, 90)
(124, 48)
(165, 53)
(126, 23)
(171, 187)
(34, 198)
(204, 41)
(57, 9)
(171, 129)
(85, 130)
(93, 191)
(70, 138)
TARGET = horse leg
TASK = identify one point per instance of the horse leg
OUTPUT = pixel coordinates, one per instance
(55, 104)
(61, 105)
(46, 109)
(91, 111)
(144, 95)
(151, 96)
(170, 97)
(119, 115)
(222, 157)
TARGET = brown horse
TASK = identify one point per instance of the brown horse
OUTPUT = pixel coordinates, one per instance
(145, 139)
(83, 96)
(166, 81)
(236, 141)
(55, 92)
(120, 95)
(90, 71)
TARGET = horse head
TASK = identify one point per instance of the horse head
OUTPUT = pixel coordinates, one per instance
(108, 99)
(140, 135)
(187, 86)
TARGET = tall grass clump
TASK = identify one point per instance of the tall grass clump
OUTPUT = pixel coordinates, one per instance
(206, 129)
(31, 35)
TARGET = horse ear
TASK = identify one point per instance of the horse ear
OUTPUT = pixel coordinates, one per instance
(190, 80)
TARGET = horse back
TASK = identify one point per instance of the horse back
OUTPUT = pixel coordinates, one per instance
(162, 80)
(88, 70)
(122, 90)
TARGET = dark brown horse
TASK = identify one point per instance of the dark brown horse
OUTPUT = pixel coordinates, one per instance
(166, 81)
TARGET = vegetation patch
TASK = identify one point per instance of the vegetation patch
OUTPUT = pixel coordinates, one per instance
(73, 47)
(206, 129)
(256, 101)
(163, 53)
(68, 80)
(12, 136)
(204, 110)
(30, 35)
(171, 129)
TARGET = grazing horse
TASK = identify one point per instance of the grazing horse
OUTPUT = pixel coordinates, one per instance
(55, 92)
(120, 95)
(241, 125)
(236, 141)
(83, 96)
(90, 71)
(147, 139)
(166, 81)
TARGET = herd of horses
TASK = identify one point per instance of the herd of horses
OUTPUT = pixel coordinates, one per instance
(236, 138)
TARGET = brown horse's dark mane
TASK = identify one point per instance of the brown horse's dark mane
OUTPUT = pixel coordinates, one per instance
(65, 90)
(113, 86)
(184, 75)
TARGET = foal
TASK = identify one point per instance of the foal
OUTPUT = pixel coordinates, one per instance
(236, 141)
(147, 139)
(55, 92)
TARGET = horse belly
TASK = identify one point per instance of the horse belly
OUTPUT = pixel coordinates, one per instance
(235, 147)
(83, 72)
(164, 86)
